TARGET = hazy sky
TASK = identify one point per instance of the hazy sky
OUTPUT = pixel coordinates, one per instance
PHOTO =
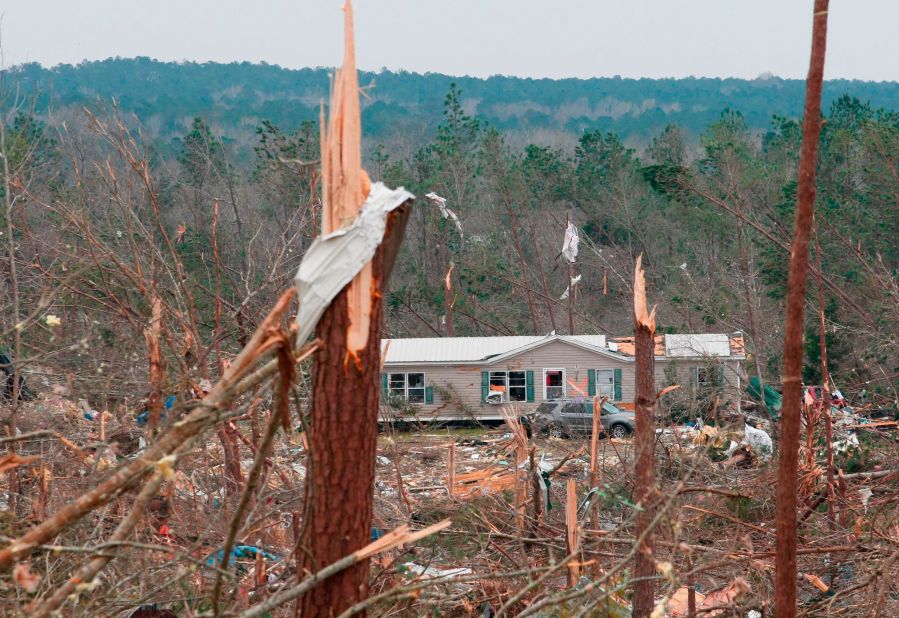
(537, 38)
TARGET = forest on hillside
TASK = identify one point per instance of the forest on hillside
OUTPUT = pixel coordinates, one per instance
(400, 106)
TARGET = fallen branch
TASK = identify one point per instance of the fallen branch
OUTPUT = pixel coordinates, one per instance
(395, 538)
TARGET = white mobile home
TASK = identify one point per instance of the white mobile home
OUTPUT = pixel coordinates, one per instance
(456, 378)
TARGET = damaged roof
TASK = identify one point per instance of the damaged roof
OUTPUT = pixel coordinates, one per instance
(688, 345)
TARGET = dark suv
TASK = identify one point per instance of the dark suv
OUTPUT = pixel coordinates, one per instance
(565, 417)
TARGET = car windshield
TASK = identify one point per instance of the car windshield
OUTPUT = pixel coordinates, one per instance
(608, 408)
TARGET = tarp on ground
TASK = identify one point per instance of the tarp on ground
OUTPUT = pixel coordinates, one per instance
(773, 399)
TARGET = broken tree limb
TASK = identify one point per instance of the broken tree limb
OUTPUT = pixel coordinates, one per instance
(571, 527)
(598, 403)
(87, 572)
(279, 415)
(395, 538)
(785, 560)
(451, 469)
(205, 415)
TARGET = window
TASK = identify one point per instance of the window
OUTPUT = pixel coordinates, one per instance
(707, 377)
(408, 386)
(508, 386)
(554, 383)
(578, 409)
(605, 383)
(703, 377)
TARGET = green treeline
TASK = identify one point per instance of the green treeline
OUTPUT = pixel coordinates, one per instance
(236, 97)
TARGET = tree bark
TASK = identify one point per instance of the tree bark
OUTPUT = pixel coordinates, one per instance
(644, 460)
(342, 444)
(785, 558)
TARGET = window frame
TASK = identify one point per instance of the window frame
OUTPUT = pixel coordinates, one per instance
(546, 386)
(394, 391)
(599, 393)
(506, 375)
(703, 379)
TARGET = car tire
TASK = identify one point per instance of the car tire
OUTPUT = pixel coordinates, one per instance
(619, 431)
(527, 426)
(555, 430)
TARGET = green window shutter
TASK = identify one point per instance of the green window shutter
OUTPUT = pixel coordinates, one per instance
(429, 395)
(529, 385)
(617, 373)
(384, 386)
(591, 382)
(720, 375)
(485, 385)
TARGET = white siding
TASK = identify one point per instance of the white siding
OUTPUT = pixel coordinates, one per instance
(463, 382)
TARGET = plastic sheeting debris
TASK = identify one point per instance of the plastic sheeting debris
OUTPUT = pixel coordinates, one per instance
(240, 552)
(335, 259)
(845, 445)
(574, 282)
(759, 440)
(865, 494)
(445, 212)
(569, 246)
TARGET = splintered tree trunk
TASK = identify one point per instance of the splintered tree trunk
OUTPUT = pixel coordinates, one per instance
(156, 365)
(342, 444)
(644, 462)
(785, 558)
(345, 384)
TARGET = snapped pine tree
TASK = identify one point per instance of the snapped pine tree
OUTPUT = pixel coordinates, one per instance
(346, 388)
(644, 460)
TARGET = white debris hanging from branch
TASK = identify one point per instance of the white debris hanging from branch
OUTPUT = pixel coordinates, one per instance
(445, 212)
(569, 246)
(574, 281)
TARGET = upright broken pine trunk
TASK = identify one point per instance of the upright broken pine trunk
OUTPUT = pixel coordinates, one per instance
(785, 557)
(644, 460)
(346, 388)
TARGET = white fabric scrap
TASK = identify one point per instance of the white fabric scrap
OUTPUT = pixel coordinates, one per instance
(440, 202)
(759, 440)
(574, 282)
(844, 446)
(569, 246)
(333, 260)
(865, 494)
